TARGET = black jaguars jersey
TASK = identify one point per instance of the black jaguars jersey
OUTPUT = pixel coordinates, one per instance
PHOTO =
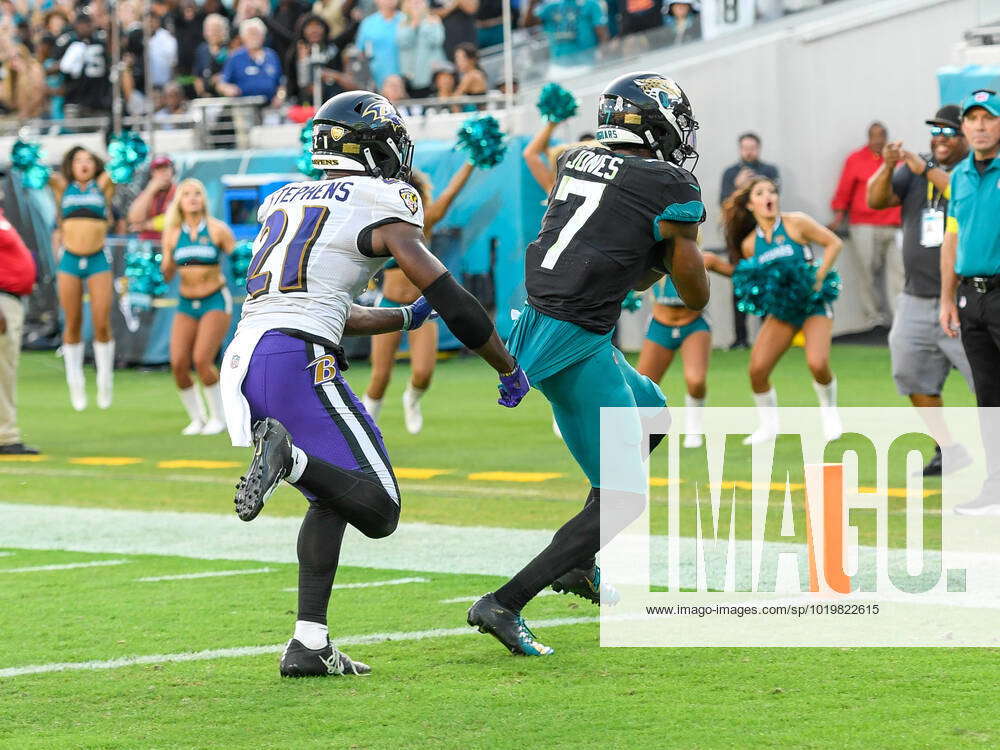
(599, 231)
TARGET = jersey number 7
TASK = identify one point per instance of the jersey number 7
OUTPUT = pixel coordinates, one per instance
(296, 254)
(591, 193)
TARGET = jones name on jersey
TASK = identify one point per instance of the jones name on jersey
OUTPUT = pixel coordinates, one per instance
(601, 229)
(313, 254)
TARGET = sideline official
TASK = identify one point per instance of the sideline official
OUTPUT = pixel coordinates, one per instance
(17, 277)
(970, 265)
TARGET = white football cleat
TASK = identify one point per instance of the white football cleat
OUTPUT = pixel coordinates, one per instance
(213, 427)
(194, 428)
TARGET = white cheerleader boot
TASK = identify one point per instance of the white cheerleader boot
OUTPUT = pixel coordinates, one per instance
(192, 405)
(767, 409)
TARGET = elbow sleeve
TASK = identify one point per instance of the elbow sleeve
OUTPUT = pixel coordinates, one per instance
(463, 314)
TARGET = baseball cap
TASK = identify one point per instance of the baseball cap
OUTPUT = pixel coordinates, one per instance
(985, 98)
(949, 116)
(161, 161)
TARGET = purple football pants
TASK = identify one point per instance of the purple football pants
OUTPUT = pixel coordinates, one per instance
(298, 383)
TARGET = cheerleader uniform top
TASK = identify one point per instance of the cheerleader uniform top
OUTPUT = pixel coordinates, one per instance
(666, 293)
(87, 202)
(200, 251)
(781, 247)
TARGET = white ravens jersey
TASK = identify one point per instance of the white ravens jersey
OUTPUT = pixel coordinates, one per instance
(313, 254)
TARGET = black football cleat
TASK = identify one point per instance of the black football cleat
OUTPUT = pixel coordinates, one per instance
(586, 583)
(509, 628)
(272, 459)
(299, 661)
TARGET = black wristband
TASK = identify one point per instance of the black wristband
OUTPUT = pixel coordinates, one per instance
(462, 313)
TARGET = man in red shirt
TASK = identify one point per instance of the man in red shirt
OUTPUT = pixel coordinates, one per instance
(873, 232)
(17, 277)
(146, 213)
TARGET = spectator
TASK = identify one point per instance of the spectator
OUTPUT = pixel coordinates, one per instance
(872, 231)
(162, 52)
(394, 89)
(174, 103)
(281, 24)
(489, 23)
(211, 55)
(22, 88)
(146, 213)
(53, 78)
(189, 22)
(17, 277)
(683, 23)
(420, 37)
(574, 28)
(970, 266)
(377, 39)
(84, 63)
(735, 177)
(444, 81)
(459, 19)
(641, 15)
(313, 54)
(922, 355)
(471, 78)
(253, 69)
(335, 13)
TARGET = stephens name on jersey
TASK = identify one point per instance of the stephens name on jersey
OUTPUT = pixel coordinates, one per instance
(313, 254)
(599, 231)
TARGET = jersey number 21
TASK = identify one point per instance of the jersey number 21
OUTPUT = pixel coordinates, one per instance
(294, 252)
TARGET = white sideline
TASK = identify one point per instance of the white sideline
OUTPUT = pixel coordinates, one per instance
(228, 653)
(66, 566)
(369, 584)
(206, 574)
(470, 599)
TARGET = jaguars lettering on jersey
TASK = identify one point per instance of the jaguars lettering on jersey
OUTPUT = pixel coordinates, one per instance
(599, 231)
(313, 254)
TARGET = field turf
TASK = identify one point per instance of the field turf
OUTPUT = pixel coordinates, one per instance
(192, 662)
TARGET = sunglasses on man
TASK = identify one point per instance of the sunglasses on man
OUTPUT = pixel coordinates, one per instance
(946, 132)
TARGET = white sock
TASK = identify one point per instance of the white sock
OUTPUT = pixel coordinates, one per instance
(827, 394)
(213, 397)
(73, 361)
(104, 359)
(372, 405)
(192, 404)
(767, 400)
(299, 461)
(414, 393)
(311, 634)
(692, 414)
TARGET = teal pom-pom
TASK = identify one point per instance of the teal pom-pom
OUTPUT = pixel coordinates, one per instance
(239, 261)
(632, 301)
(304, 162)
(483, 140)
(828, 293)
(28, 159)
(749, 284)
(127, 151)
(556, 103)
(145, 278)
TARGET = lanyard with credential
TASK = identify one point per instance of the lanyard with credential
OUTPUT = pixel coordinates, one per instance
(932, 219)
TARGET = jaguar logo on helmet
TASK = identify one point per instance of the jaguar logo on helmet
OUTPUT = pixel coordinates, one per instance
(661, 90)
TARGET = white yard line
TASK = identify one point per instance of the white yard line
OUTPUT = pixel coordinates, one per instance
(206, 574)
(66, 566)
(229, 653)
(470, 599)
(370, 584)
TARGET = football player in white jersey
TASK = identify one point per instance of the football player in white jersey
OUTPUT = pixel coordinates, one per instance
(319, 244)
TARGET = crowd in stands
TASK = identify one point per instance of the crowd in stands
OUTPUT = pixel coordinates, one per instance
(56, 62)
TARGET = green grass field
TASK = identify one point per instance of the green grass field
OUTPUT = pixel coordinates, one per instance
(435, 683)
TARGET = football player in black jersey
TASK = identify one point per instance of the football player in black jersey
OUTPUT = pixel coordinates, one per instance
(620, 215)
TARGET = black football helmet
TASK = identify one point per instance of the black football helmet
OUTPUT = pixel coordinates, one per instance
(648, 110)
(358, 131)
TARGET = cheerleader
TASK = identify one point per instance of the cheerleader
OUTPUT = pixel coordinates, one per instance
(83, 193)
(677, 328)
(398, 291)
(193, 245)
(772, 250)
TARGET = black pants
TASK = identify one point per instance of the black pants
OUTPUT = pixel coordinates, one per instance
(739, 325)
(980, 319)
